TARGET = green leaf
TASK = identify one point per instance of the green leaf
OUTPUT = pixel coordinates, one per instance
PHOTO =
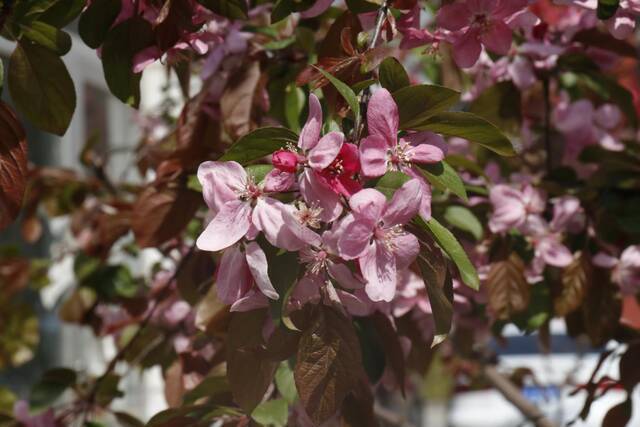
(51, 386)
(392, 74)
(439, 287)
(468, 126)
(418, 103)
(390, 182)
(443, 176)
(120, 45)
(607, 8)
(286, 383)
(62, 12)
(500, 105)
(272, 413)
(284, 8)
(41, 87)
(347, 93)
(209, 387)
(258, 172)
(464, 219)
(234, 9)
(96, 20)
(48, 36)
(361, 6)
(447, 241)
(259, 143)
(294, 103)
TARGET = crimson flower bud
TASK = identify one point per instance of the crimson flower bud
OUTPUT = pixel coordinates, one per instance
(285, 160)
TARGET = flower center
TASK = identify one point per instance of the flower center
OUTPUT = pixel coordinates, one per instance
(388, 235)
(336, 168)
(316, 260)
(308, 215)
(250, 191)
(399, 156)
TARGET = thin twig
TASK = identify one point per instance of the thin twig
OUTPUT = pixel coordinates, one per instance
(366, 92)
(547, 124)
(91, 396)
(513, 395)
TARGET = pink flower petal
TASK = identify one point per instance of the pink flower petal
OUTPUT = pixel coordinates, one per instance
(382, 116)
(257, 262)
(406, 250)
(604, 260)
(326, 150)
(425, 153)
(373, 156)
(233, 278)
(404, 205)
(498, 38)
(220, 181)
(227, 227)
(315, 193)
(310, 133)
(369, 204)
(378, 266)
(453, 17)
(268, 217)
(355, 239)
(466, 50)
(251, 301)
(344, 276)
(278, 181)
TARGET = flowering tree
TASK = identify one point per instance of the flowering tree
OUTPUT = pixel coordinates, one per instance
(350, 190)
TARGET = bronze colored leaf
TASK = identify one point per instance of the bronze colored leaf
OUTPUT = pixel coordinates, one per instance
(629, 368)
(575, 282)
(329, 364)
(601, 308)
(249, 371)
(237, 100)
(509, 291)
(619, 415)
(160, 214)
(13, 165)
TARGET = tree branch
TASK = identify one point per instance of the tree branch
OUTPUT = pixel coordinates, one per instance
(513, 395)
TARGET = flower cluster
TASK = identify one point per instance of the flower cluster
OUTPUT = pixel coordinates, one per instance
(344, 231)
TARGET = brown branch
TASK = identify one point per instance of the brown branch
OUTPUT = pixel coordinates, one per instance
(366, 92)
(91, 396)
(513, 395)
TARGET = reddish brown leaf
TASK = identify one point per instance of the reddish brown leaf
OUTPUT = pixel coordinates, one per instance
(160, 214)
(249, 371)
(629, 368)
(619, 415)
(509, 291)
(328, 365)
(576, 279)
(13, 165)
(237, 100)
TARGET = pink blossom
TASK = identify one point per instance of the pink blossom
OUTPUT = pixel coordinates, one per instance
(373, 233)
(512, 208)
(242, 267)
(625, 270)
(45, 419)
(241, 208)
(382, 151)
(332, 165)
(412, 35)
(474, 23)
(568, 214)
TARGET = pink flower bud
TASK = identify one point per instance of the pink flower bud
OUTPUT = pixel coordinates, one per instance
(285, 161)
